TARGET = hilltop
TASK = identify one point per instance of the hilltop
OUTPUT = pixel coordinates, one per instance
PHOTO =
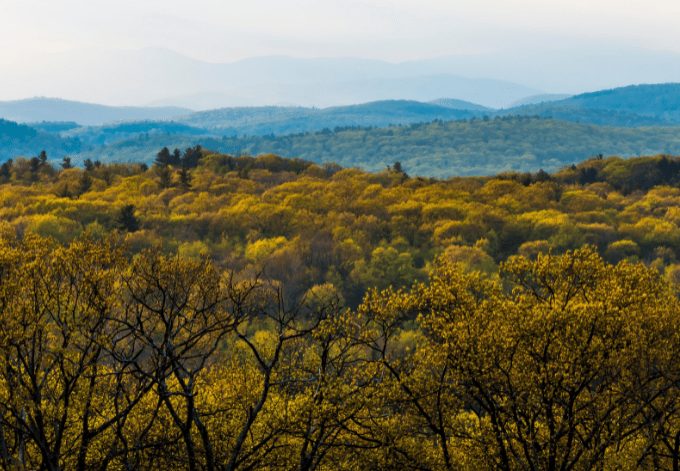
(635, 105)
(89, 114)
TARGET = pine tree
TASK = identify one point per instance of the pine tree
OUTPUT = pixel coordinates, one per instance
(192, 156)
(85, 183)
(6, 169)
(34, 166)
(164, 176)
(176, 158)
(127, 221)
(163, 157)
(184, 178)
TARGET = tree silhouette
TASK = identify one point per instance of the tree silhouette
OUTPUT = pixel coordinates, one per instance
(127, 221)
(163, 157)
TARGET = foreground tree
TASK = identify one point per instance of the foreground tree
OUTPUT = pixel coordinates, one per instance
(111, 361)
(557, 365)
(57, 383)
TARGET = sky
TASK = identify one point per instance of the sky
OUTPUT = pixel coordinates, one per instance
(394, 30)
(546, 45)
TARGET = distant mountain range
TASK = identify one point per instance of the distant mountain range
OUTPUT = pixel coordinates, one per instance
(642, 119)
(639, 105)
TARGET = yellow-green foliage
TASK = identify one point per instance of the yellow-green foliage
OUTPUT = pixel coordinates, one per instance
(308, 225)
(113, 360)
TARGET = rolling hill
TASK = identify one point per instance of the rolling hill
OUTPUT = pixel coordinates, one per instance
(21, 140)
(541, 98)
(289, 120)
(110, 134)
(639, 105)
(437, 139)
(635, 105)
(89, 114)
(441, 149)
(457, 104)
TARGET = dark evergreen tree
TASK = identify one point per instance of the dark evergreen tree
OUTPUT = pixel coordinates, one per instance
(34, 166)
(66, 163)
(176, 158)
(542, 176)
(184, 178)
(163, 158)
(85, 183)
(164, 176)
(587, 175)
(6, 170)
(192, 156)
(127, 221)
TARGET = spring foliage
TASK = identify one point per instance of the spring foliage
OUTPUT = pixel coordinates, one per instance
(223, 313)
(110, 360)
(307, 225)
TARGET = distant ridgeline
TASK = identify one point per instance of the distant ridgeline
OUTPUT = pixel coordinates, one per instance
(441, 149)
(443, 138)
(635, 105)
(21, 140)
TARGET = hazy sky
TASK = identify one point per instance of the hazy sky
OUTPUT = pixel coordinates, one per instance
(387, 29)
(115, 52)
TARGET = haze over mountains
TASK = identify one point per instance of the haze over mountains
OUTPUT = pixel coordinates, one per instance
(153, 76)
(162, 77)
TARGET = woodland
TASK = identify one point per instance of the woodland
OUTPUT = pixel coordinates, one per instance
(216, 312)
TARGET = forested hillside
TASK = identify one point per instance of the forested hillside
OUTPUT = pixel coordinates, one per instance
(347, 227)
(289, 120)
(442, 149)
(635, 105)
(21, 140)
(219, 312)
(443, 138)
(94, 137)
(456, 104)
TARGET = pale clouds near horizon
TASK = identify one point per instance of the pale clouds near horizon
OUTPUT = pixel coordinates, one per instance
(394, 30)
